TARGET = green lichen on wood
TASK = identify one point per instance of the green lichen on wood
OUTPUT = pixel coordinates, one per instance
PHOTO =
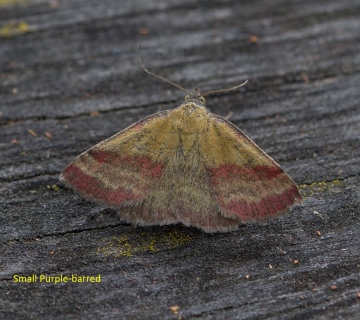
(13, 29)
(128, 245)
(53, 187)
(309, 190)
(8, 3)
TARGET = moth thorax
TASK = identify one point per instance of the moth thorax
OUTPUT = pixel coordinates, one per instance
(190, 118)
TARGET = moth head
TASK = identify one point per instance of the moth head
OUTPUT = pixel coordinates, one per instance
(195, 95)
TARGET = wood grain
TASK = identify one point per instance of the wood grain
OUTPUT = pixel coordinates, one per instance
(69, 74)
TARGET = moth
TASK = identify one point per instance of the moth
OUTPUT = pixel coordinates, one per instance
(185, 165)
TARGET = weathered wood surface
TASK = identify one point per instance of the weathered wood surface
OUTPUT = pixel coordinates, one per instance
(62, 62)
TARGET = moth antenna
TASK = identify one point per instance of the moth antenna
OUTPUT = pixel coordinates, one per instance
(224, 90)
(157, 76)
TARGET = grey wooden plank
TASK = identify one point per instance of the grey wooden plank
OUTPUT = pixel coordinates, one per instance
(301, 105)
